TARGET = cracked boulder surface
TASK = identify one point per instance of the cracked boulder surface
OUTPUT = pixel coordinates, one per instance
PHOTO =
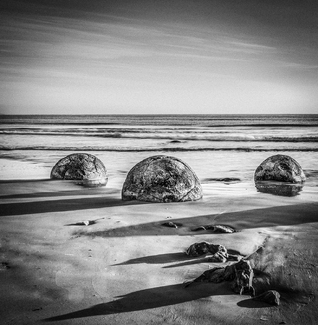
(162, 179)
(80, 166)
(280, 168)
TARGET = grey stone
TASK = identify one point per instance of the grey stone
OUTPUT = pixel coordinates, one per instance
(81, 166)
(271, 297)
(280, 168)
(241, 274)
(161, 179)
(216, 228)
(203, 248)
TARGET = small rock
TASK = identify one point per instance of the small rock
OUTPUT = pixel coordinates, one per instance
(217, 258)
(203, 248)
(271, 297)
(172, 224)
(37, 309)
(216, 228)
(223, 229)
(4, 266)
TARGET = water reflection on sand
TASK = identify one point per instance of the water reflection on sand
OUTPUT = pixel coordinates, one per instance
(279, 188)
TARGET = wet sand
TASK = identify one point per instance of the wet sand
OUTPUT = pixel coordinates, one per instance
(127, 268)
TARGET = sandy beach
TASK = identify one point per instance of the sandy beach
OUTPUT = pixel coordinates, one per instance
(222, 91)
(127, 268)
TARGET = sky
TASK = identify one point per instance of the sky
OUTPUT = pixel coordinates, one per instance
(158, 56)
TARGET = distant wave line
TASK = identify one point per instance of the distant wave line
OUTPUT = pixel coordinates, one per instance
(198, 136)
(196, 123)
(157, 149)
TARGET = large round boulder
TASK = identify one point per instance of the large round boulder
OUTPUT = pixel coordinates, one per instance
(81, 166)
(280, 168)
(162, 179)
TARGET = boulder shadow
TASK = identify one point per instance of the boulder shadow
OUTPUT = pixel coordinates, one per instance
(247, 219)
(148, 299)
(156, 259)
(253, 303)
(190, 262)
(170, 258)
(62, 205)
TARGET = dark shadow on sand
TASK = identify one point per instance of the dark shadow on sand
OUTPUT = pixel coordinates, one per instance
(150, 298)
(38, 195)
(157, 259)
(62, 205)
(252, 303)
(170, 258)
(255, 218)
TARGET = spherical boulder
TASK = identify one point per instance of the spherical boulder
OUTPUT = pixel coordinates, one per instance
(280, 168)
(81, 166)
(161, 179)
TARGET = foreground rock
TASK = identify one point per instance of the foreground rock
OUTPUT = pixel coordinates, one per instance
(81, 166)
(161, 179)
(218, 253)
(240, 274)
(271, 297)
(280, 168)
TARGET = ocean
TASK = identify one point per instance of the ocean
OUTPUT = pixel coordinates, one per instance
(215, 146)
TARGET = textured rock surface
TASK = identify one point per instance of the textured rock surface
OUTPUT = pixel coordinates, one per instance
(203, 248)
(241, 274)
(271, 297)
(280, 168)
(161, 179)
(81, 166)
(216, 228)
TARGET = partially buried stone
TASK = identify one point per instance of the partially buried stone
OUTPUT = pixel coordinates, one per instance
(203, 248)
(280, 168)
(172, 224)
(161, 179)
(216, 228)
(81, 166)
(215, 275)
(241, 274)
(271, 297)
(218, 257)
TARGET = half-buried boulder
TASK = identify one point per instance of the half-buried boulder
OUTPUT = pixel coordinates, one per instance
(81, 166)
(280, 168)
(162, 179)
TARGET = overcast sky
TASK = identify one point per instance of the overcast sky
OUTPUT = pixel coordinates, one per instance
(158, 56)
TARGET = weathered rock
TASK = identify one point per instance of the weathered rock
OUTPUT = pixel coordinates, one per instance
(280, 168)
(216, 228)
(271, 297)
(81, 166)
(218, 257)
(172, 224)
(203, 248)
(161, 179)
(241, 274)
(215, 275)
